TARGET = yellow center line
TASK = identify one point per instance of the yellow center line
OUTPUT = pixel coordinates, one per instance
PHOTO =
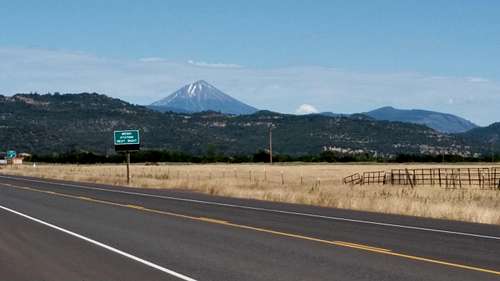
(135, 207)
(363, 246)
(213, 220)
(264, 230)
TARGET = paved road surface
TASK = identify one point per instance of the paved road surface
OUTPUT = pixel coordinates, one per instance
(55, 230)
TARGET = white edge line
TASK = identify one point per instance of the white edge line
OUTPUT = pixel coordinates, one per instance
(109, 248)
(264, 209)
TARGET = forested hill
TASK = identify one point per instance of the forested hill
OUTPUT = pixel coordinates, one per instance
(441, 122)
(55, 123)
(486, 139)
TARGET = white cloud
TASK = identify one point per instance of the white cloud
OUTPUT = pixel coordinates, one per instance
(152, 59)
(214, 65)
(477, 79)
(279, 89)
(306, 109)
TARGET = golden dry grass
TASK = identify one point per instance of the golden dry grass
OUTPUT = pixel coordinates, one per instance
(312, 184)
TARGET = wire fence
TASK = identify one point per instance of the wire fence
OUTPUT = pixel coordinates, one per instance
(240, 176)
(483, 178)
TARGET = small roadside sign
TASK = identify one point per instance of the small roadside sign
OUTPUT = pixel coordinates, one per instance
(11, 154)
(127, 140)
(127, 137)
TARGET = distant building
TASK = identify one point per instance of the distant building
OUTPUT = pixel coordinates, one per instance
(3, 158)
(16, 161)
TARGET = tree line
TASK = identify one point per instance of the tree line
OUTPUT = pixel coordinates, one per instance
(157, 156)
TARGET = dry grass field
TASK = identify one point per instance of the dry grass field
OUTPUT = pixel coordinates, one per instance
(312, 184)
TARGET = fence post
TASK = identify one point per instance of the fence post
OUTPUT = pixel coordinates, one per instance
(409, 178)
(459, 178)
(480, 178)
(490, 180)
(439, 170)
(423, 178)
(432, 176)
(470, 181)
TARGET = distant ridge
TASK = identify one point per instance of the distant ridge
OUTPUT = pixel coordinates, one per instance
(168, 109)
(201, 96)
(488, 137)
(331, 114)
(442, 122)
(85, 122)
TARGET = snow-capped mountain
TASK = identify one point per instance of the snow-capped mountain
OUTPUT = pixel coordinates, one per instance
(201, 96)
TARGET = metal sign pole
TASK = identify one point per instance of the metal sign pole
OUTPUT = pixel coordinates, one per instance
(128, 167)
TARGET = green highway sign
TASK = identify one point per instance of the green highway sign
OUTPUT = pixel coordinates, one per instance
(11, 154)
(127, 140)
(127, 137)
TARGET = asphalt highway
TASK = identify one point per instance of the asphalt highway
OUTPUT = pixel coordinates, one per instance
(56, 230)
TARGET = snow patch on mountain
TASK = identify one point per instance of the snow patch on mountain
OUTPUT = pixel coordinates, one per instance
(306, 109)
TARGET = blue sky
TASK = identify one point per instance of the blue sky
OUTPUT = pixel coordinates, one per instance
(347, 55)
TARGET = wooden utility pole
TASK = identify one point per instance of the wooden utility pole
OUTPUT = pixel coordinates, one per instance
(271, 144)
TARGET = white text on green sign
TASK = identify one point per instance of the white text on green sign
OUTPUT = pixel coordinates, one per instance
(126, 137)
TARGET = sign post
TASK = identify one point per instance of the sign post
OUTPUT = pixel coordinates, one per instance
(128, 167)
(127, 141)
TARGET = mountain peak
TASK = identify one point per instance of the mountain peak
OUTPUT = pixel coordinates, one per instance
(386, 108)
(197, 87)
(202, 96)
(201, 82)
